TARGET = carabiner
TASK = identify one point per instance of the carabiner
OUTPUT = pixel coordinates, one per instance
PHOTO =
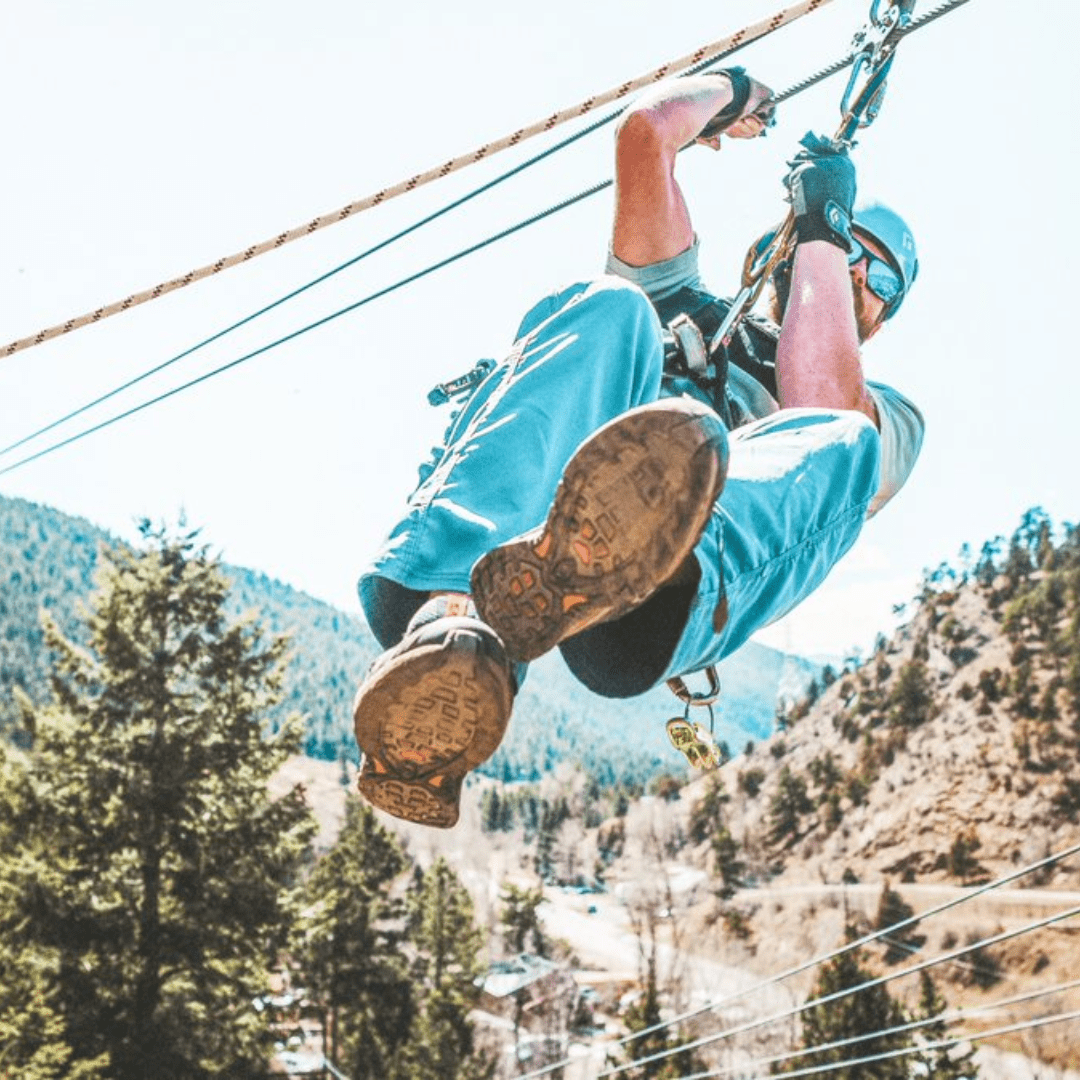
(689, 698)
(873, 46)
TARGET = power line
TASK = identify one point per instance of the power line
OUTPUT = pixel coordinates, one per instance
(951, 1016)
(838, 995)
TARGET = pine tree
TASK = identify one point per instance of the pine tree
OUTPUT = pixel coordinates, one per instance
(350, 945)
(865, 1013)
(33, 1045)
(446, 968)
(892, 910)
(663, 1043)
(787, 805)
(153, 864)
(520, 921)
(943, 1064)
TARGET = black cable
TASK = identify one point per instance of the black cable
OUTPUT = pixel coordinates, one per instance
(385, 243)
(798, 88)
(304, 329)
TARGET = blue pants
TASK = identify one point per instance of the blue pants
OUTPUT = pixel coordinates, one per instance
(798, 486)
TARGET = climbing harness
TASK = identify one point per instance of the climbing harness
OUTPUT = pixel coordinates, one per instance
(690, 738)
(705, 53)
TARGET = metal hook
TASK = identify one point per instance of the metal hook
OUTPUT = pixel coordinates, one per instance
(874, 44)
(692, 700)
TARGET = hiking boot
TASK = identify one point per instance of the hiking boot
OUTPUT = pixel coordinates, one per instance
(632, 503)
(431, 709)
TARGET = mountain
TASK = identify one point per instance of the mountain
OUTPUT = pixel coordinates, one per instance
(951, 753)
(48, 560)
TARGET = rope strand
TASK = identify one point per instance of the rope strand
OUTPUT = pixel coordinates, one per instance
(674, 67)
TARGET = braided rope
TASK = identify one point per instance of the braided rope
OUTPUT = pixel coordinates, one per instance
(706, 52)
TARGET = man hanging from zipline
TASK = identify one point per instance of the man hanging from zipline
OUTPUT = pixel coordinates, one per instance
(642, 505)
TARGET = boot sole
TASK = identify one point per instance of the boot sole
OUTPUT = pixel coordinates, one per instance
(632, 504)
(425, 720)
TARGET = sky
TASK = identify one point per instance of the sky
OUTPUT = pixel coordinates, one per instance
(144, 140)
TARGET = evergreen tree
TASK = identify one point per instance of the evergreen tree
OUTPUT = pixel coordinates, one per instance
(865, 1013)
(350, 945)
(643, 1015)
(892, 910)
(446, 970)
(707, 823)
(150, 878)
(33, 1043)
(911, 701)
(788, 805)
(520, 921)
(943, 1064)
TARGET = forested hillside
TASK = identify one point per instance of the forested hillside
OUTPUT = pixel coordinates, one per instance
(48, 561)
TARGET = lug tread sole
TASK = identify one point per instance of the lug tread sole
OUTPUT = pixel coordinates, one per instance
(629, 509)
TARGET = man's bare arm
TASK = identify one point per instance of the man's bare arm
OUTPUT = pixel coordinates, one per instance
(652, 222)
(817, 357)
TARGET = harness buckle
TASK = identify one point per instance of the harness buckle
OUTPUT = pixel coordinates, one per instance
(691, 342)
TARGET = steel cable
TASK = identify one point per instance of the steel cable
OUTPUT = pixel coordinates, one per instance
(941, 1044)
(374, 249)
(595, 189)
(851, 946)
(838, 995)
(294, 334)
(952, 1016)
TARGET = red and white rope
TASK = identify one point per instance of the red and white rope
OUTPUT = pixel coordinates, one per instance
(674, 67)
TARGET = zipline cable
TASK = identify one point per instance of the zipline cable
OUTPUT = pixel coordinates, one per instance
(374, 249)
(838, 995)
(949, 1016)
(296, 333)
(740, 37)
(595, 189)
(851, 946)
(907, 1051)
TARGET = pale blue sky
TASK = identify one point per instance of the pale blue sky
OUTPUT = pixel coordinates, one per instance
(142, 140)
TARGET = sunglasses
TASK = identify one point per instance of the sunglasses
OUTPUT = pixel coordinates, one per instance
(882, 279)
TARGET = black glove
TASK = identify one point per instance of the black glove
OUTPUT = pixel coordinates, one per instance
(821, 189)
(740, 95)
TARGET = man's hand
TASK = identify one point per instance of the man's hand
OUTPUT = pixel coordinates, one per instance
(821, 189)
(750, 112)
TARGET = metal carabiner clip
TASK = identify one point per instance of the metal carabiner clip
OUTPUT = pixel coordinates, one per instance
(688, 697)
(873, 46)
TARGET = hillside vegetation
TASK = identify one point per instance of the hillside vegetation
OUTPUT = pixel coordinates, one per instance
(952, 752)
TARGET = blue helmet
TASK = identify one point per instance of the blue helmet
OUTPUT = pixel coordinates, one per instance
(890, 230)
(874, 220)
